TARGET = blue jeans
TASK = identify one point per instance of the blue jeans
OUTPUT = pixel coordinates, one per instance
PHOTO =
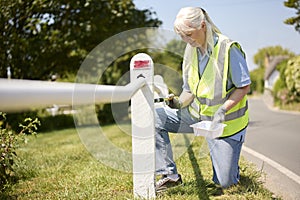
(224, 153)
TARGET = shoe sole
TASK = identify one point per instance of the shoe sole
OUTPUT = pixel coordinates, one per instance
(167, 188)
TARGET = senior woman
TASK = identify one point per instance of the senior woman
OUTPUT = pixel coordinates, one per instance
(215, 85)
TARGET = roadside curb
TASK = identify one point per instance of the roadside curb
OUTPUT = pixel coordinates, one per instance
(272, 107)
(281, 181)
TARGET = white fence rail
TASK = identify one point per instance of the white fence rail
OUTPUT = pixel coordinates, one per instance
(18, 95)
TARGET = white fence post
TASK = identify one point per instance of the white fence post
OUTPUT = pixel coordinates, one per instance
(143, 133)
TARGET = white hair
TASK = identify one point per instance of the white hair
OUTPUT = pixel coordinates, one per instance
(190, 18)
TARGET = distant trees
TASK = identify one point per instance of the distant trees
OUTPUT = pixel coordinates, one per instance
(41, 37)
(295, 21)
(287, 88)
(170, 60)
(257, 75)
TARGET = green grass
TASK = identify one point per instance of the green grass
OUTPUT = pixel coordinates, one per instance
(56, 165)
(295, 107)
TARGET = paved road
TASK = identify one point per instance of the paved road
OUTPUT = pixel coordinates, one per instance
(274, 134)
(273, 144)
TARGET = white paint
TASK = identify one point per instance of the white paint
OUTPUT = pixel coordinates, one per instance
(274, 164)
(160, 90)
(18, 95)
(143, 133)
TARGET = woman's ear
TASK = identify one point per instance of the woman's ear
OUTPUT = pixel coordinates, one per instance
(203, 25)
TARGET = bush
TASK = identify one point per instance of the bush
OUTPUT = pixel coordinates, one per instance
(286, 90)
(48, 122)
(10, 141)
(280, 92)
(281, 68)
(257, 80)
(292, 74)
(58, 122)
(13, 119)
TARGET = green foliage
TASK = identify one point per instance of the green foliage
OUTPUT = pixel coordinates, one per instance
(257, 75)
(280, 88)
(287, 88)
(10, 142)
(281, 68)
(259, 57)
(295, 21)
(292, 73)
(172, 55)
(13, 119)
(40, 38)
(171, 58)
(280, 92)
(58, 122)
(48, 122)
(257, 80)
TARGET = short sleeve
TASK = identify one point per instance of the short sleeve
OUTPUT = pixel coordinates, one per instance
(238, 68)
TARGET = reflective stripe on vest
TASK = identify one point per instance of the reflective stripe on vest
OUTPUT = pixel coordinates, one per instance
(210, 90)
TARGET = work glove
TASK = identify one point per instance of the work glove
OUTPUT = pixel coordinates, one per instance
(173, 101)
(219, 117)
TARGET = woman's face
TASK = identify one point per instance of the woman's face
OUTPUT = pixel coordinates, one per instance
(195, 37)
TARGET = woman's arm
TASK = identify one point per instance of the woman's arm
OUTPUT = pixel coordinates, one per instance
(236, 97)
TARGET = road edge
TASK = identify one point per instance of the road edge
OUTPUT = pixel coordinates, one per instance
(278, 179)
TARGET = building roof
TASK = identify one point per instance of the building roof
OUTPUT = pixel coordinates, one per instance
(273, 62)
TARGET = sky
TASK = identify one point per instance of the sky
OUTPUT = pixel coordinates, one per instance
(255, 24)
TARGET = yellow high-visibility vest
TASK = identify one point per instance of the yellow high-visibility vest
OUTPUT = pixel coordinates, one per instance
(210, 89)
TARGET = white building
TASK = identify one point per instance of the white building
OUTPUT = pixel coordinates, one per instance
(271, 73)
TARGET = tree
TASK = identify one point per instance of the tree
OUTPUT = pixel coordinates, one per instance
(257, 75)
(260, 56)
(170, 61)
(293, 20)
(292, 80)
(42, 37)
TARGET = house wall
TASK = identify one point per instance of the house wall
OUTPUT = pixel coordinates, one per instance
(269, 83)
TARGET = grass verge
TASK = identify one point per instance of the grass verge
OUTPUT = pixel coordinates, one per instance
(56, 165)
